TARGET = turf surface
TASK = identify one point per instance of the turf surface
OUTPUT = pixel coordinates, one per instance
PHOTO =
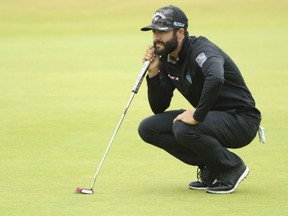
(66, 73)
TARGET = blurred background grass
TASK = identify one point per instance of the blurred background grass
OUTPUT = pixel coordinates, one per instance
(66, 73)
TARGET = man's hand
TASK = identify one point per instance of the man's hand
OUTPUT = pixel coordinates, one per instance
(150, 55)
(186, 117)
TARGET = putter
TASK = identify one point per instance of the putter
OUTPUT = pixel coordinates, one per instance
(134, 91)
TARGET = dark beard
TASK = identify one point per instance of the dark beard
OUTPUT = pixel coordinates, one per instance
(169, 46)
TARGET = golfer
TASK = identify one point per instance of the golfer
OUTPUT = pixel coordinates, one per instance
(222, 113)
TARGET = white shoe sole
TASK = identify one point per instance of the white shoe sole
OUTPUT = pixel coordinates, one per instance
(197, 188)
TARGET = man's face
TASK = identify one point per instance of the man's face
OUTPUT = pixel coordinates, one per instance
(164, 42)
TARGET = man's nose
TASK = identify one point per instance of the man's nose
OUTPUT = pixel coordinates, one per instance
(156, 36)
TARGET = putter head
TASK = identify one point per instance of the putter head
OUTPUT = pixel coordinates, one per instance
(84, 190)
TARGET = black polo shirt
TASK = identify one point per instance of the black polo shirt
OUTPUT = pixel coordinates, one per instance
(206, 76)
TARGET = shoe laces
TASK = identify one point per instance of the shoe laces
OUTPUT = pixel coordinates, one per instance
(199, 173)
(204, 174)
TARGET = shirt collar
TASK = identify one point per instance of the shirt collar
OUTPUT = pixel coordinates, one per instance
(171, 59)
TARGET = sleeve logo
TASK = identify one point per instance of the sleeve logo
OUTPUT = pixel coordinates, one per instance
(201, 58)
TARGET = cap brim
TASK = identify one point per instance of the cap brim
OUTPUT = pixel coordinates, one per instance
(156, 27)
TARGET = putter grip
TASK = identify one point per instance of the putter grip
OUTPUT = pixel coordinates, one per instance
(141, 76)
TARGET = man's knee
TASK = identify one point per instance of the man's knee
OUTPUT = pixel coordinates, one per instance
(144, 130)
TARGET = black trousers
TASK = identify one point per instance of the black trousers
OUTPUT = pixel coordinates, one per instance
(204, 144)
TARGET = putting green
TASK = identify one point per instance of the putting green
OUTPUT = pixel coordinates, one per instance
(66, 73)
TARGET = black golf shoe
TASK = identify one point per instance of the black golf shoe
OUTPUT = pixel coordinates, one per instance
(228, 181)
(205, 178)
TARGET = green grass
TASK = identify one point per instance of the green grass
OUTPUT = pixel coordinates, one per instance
(66, 73)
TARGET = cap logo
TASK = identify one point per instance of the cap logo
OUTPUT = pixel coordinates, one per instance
(163, 29)
(179, 24)
(158, 15)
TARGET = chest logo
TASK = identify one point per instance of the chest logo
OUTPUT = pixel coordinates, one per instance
(173, 77)
(188, 77)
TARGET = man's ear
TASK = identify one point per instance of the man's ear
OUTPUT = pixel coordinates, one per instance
(180, 33)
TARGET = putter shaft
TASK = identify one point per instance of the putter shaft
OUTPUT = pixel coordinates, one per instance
(134, 91)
